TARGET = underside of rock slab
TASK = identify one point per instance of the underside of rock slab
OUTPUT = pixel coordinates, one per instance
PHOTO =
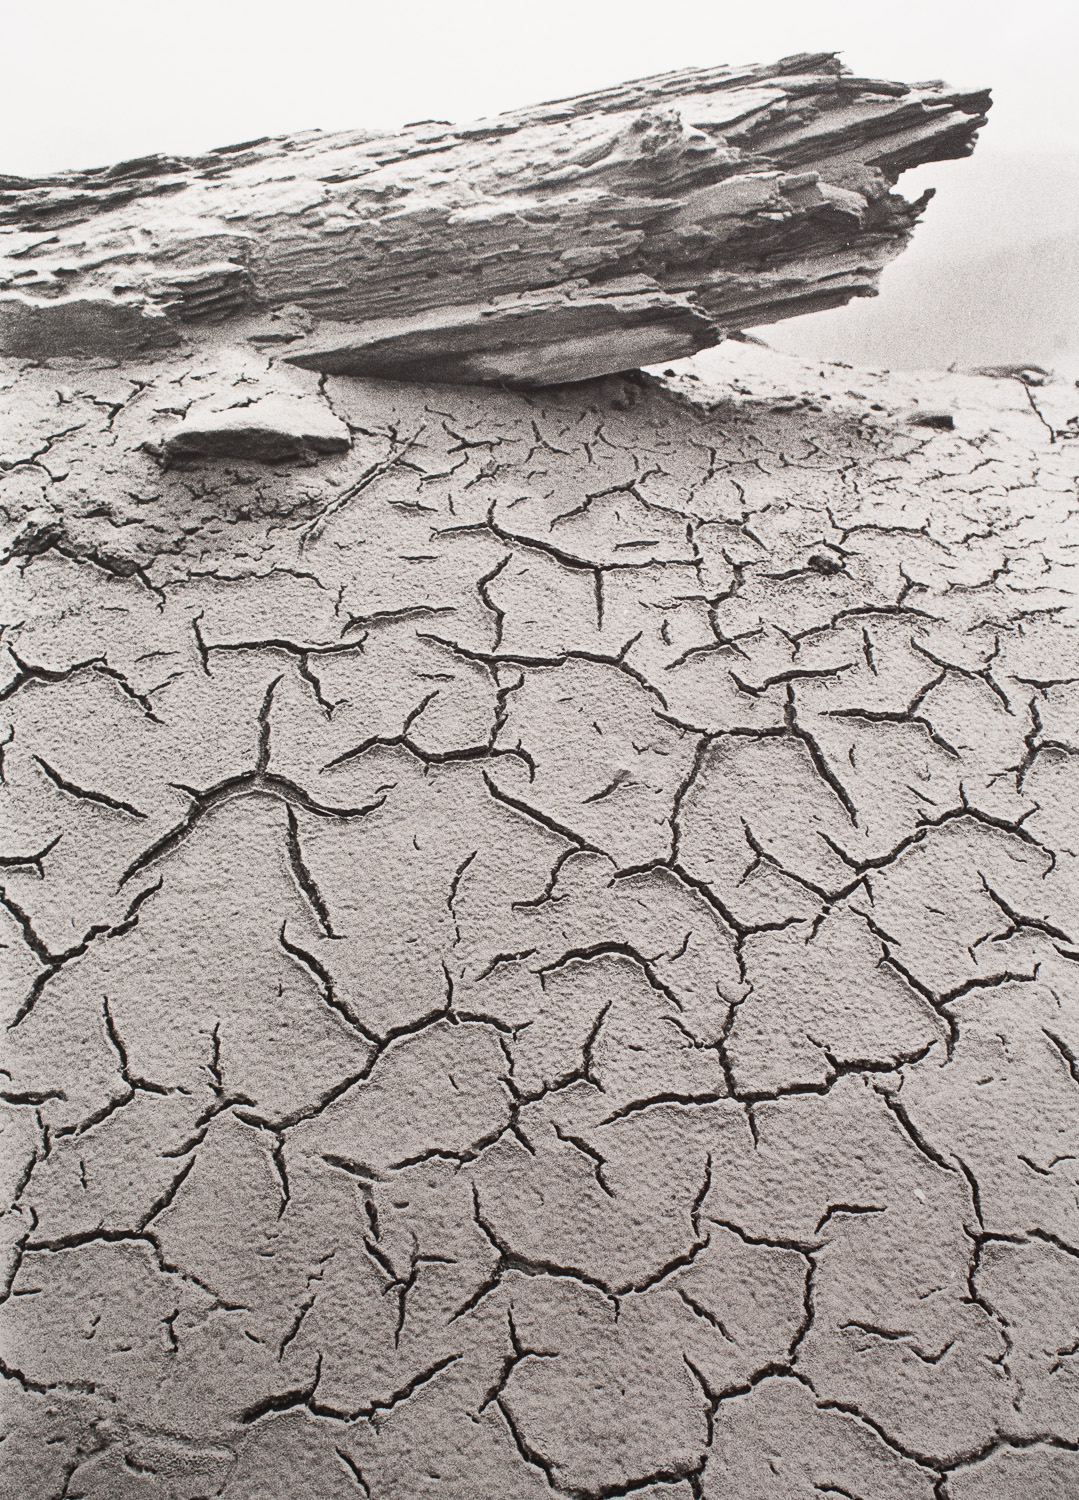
(540, 932)
(557, 243)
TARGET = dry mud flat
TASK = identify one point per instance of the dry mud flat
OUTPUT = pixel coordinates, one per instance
(541, 938)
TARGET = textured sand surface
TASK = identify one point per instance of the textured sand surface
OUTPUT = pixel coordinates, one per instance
(541, 952)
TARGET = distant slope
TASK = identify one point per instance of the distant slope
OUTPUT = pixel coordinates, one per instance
(992, 275)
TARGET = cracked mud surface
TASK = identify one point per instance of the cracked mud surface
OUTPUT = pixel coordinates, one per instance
(541, 954)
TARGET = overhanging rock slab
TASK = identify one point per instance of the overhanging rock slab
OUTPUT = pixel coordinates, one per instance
(730, 197)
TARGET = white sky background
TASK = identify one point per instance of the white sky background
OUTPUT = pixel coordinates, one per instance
(87, 82)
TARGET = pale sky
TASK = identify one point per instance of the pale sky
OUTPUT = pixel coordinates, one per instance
(88, 82)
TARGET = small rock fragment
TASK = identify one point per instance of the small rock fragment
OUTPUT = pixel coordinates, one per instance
(1028, 374)
(943, 421)
(275, 428)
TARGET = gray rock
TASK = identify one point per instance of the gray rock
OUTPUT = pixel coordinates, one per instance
(267, 431)
(490, 252)
(541, 338)
(943, 421)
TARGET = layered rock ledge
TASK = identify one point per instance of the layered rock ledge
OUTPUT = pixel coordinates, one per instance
(565, 241)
